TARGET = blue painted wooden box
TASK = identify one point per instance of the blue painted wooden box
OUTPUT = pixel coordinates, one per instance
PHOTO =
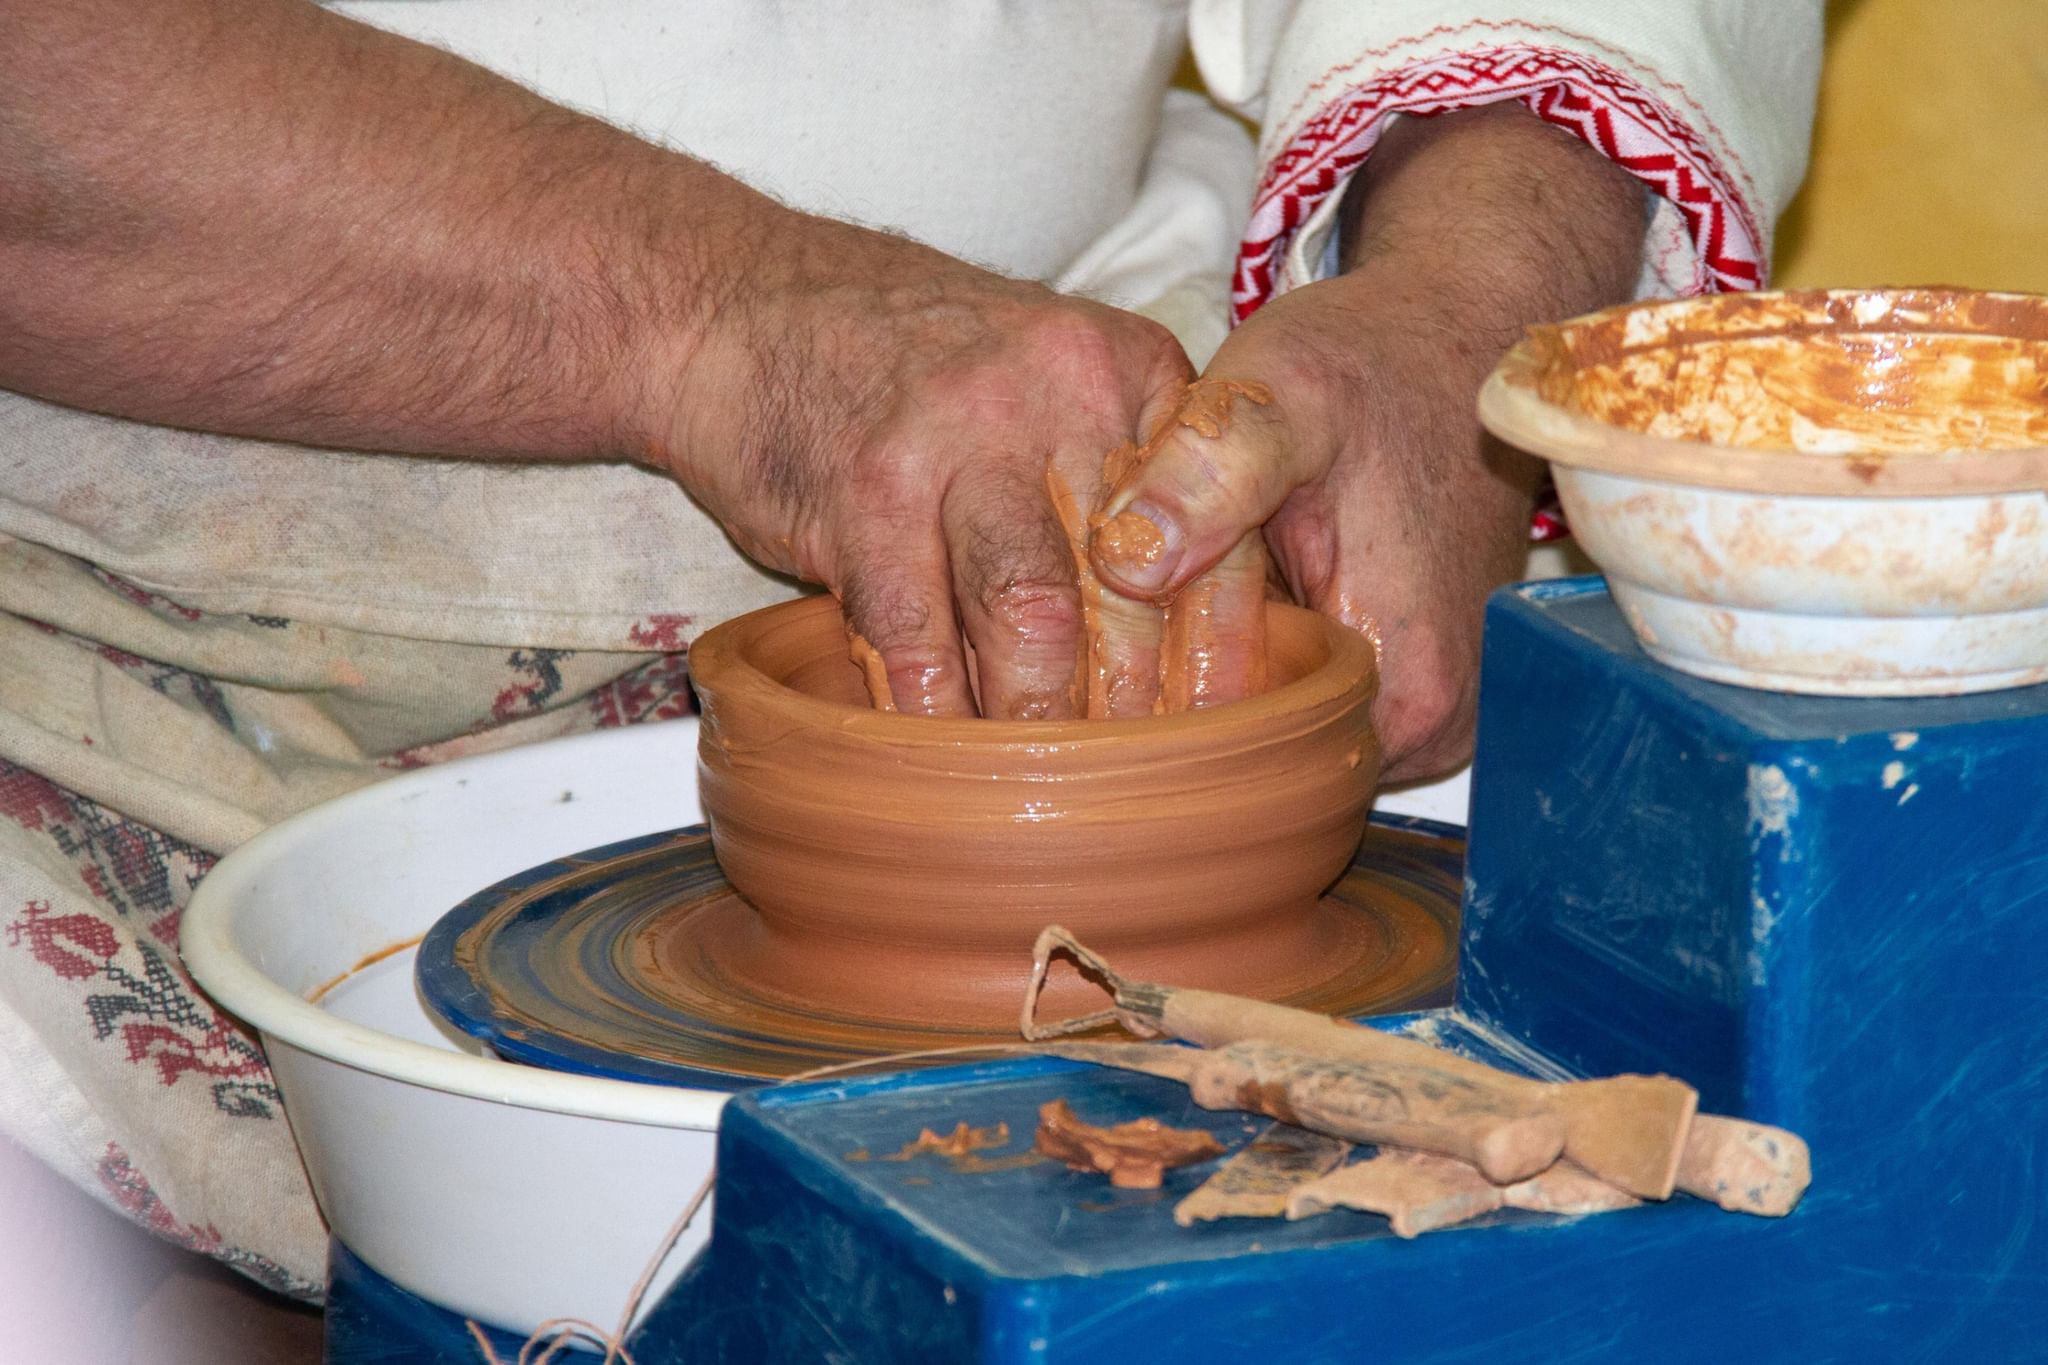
(1821, 912)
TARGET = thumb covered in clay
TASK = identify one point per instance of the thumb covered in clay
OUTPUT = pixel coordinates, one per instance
(1210, 476)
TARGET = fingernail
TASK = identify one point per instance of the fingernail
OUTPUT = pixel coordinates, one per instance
(1139, 546)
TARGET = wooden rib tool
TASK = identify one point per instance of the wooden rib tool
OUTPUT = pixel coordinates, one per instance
(1638, 1133)
(1403, 1105)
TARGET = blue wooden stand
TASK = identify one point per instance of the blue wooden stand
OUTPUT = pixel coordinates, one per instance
(1823, 913)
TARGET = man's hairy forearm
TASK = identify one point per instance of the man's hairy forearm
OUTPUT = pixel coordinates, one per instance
(257, 217)
(1498, 214)
(1463, 230)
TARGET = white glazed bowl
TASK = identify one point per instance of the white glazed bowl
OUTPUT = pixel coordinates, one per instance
(503, 1192)
(1902, 551)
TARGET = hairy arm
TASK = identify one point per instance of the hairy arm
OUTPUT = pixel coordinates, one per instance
(1522, 219)
(1461, 231)
(257, 217)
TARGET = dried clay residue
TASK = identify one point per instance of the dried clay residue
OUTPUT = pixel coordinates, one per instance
(1126, 537)
(961, 1148)
(963, 1140)
(1862, 374)
(1134, 1155)
(320, 992)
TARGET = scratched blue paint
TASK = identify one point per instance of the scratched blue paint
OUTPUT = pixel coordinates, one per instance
(371, 1321)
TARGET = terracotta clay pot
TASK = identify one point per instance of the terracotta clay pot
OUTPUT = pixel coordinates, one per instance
(901, 866)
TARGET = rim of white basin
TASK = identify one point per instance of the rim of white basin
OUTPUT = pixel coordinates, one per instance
(1512, 409)
(219, 966)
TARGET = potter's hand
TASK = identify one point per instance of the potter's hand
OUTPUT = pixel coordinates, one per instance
(1384, 504)
(878, 417)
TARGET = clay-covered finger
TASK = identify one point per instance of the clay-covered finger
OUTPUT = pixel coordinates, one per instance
(1124, 656)
(1220, 471)
(1119, 660)
(899, 599)
(1013, 576)
(1125, 633)
(1215, 645)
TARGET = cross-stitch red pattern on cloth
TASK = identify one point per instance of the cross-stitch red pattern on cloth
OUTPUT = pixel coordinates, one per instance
(164, 1107)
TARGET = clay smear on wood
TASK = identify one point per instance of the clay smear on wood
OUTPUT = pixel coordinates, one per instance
(1639, 1135)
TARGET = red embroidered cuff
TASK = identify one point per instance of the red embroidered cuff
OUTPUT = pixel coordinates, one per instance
(1615, 115)
(1629, 125)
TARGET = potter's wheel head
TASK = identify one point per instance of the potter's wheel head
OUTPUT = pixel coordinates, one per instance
(610, 963)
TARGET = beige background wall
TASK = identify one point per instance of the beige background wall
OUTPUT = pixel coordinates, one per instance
(1930, 159)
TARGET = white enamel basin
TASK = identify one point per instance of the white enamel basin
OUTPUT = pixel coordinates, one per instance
(503, 1192)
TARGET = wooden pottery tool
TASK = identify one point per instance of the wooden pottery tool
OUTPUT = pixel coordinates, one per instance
(1641, 1134)
(1420, 1192)
(1401, 1103)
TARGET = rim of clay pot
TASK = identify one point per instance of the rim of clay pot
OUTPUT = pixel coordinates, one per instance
(1512, 407)
(719, 664)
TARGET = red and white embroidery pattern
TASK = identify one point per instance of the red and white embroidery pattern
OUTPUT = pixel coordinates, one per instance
(665, 630)
(131, 1190)
(133, 989)
(1631, 127)
(657, 690)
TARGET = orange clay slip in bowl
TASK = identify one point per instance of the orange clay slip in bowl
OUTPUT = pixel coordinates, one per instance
(1836, 492)
(899, 867)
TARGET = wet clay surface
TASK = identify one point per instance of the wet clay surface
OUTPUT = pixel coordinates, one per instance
(1142, 658)
(1830, 492)
(874, 672)
(624, 958)
(902, 866)
(1843, 371)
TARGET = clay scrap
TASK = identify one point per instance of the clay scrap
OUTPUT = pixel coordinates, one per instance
(1420, 1192)
(1571, 1146)
(962, 1141)
(1261, 1176)
(1134, 1155)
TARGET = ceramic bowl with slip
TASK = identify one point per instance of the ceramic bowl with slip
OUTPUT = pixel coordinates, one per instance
(1835, 492)
(901, 866)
